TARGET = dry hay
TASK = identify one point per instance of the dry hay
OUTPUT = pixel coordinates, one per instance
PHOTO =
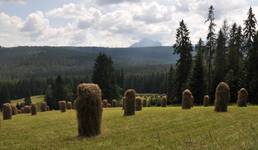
(89, 109)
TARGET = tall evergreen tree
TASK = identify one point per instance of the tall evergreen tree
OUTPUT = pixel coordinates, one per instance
(183, 47)
(171, 84)
(197, 83)
(253, 71)
(220, 60)
(249, 30)
(234, 61)
(104, 76)
(59, 92)
(211, 41)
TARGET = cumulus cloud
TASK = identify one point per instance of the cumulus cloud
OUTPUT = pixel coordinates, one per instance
(35, 23)
(123, 22)
(106, 2)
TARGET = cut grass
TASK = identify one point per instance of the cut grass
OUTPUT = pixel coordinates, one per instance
(152, 128)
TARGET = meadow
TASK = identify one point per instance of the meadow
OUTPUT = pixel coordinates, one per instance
(152, 128)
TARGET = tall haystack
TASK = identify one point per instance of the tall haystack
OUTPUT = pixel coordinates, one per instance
(206, 100)
(43, 107)
(105, 103)
(33, 109)
(242, 97)
(222, 97)
(114, 103)
(163, 101)
(69, 105)
(129, 102)
(62, 106)
(89, 109)
(14, 110)
(138, 105)
(144, 102)
(187, 99)
(7, 111)
(27, 109)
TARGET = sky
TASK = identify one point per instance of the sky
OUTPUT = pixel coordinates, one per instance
(111, 23)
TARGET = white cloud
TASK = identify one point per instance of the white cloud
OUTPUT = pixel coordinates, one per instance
(35, 23)
(96, 23)
(106, 2)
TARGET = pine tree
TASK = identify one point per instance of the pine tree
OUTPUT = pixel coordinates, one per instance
(59, 92)
(253, 71)
(211, 42)
(219, 60)
(104, 76)
(171, 84)
(197, 83)
(234, 61)
(249, 30)
(183, 47)
(49, 97)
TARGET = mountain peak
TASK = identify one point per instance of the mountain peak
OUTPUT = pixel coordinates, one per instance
(146, 43)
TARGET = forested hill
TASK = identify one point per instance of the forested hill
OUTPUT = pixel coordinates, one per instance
(22, 62)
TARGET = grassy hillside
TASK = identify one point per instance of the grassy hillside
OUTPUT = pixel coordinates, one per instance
(51, 61)
(34, 99)
(152, 128)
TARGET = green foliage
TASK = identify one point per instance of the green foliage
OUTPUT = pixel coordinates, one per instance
(249, 30)
(197, 82)
(104, 76)
(183, 47)
(27, 100)
(171, 91)
(253, 72)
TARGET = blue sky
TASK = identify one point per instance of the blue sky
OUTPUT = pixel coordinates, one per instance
(110, 23)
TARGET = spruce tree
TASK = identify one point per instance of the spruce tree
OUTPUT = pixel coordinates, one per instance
(211, 42)
(234, 61)
(219, 61)
(249, 30)
(253, 71)
(59, 92)
(183, 47)
(171, 85)
(104, 76)
(197, 83)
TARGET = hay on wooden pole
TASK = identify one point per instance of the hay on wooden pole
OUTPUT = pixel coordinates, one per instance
(242, 97)
(114, 103)
(163, 101)
(105, 103)
(89, 110)
(43, 107)
(69, 105)
(7, 111)
(33, 109)
(27, 109)
(138, 105)
(62, 106)
(144, 102)
(222, 97)
(187, 99)
(206, 100)
(14, 110)
(129, 102)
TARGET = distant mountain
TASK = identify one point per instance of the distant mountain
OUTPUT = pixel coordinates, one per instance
(146, 43)
(23, 62)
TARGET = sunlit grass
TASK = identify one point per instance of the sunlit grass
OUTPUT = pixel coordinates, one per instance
(152, 128)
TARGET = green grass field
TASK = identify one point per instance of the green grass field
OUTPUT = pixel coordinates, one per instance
(152, 128)
(34, 99)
